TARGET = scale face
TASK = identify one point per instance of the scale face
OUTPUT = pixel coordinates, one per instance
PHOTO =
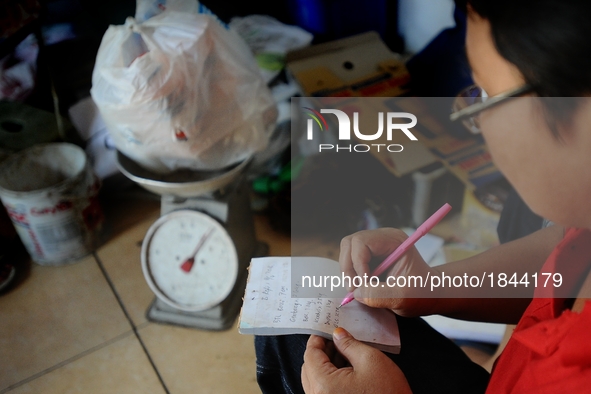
(189, 260)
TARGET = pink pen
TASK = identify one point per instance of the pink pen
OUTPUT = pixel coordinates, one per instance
(406, 245)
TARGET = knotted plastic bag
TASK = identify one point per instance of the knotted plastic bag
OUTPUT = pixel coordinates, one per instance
(181, 91)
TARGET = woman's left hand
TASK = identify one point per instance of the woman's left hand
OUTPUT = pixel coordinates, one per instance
(349, 366)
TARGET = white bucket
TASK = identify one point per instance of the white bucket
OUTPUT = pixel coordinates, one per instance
(51, 195)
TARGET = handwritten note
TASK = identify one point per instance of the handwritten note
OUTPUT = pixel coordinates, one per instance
(270, 309)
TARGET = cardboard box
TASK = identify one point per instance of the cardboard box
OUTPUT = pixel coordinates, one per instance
(357, 66)
(352, 68)
(479, 221)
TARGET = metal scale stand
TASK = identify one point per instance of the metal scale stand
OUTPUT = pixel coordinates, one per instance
(223, 196)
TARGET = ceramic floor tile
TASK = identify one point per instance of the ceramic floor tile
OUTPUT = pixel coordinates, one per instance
(282, 244)
(195, 361)
(279, 244)
(53, 315)
(300, 246)
(119, 367)
(121, 259)
(328, 249)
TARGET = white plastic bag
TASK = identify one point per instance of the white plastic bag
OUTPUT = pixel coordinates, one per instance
(181, 91)
(270, 40)
(146, 9)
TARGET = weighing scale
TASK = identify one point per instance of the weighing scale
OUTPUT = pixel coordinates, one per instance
(195, 256)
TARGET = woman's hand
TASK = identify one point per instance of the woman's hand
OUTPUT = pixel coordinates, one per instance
(364, 368)
(358, 249)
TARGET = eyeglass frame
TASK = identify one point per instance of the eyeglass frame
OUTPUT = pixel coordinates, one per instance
(492, 101)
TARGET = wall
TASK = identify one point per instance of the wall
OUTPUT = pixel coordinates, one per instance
(420, 21)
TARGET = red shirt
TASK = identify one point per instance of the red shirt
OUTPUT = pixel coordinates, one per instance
(550, 349)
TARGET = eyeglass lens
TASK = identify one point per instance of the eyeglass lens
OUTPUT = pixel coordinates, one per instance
(467, 97)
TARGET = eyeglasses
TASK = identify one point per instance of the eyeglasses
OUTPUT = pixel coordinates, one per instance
(470, 102)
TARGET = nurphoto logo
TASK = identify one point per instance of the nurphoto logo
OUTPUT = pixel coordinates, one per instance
(344, 131)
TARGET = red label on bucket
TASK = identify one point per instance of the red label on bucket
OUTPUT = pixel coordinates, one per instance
(59, 207)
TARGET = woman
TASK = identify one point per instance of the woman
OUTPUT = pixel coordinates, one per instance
(535, 49)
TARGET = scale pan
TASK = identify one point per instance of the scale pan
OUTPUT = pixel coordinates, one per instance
(180, 183)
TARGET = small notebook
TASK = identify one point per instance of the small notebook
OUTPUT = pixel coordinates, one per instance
(269, 308)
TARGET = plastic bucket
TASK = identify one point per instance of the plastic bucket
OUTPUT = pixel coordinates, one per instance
(51, 195)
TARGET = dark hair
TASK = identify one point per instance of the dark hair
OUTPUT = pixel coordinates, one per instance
(549, 41)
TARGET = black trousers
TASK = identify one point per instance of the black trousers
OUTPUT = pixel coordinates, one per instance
(431, 362)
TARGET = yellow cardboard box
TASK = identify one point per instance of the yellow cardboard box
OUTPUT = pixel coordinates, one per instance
(357, 66)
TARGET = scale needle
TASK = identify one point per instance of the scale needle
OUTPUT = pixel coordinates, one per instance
(188, 264)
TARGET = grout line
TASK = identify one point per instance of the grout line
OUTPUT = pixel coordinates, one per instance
(133, 326)
(142, 325)
(67, 361)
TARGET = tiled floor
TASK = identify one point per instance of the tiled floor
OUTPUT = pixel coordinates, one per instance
(81, 328)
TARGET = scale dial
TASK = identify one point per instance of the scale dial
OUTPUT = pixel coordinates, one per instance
(189, 260)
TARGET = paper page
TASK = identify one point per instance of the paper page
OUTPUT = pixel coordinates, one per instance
(269, 308)
(467, 330)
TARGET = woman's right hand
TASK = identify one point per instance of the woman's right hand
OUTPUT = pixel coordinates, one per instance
(358, 249)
